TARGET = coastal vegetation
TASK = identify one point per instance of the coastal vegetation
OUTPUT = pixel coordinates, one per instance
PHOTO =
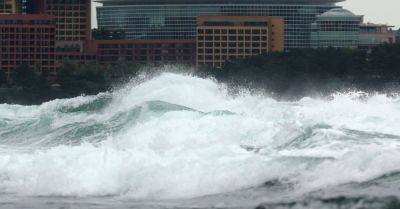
(73, 79)
(320, 72)
(285, 75)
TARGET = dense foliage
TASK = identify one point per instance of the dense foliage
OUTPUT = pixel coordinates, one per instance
(315, 71)
(73, 79)
(291, 74)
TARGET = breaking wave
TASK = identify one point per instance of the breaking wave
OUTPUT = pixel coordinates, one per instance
(178, 136)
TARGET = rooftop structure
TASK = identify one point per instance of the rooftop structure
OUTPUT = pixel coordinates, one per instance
(336, 28)
(176, 19)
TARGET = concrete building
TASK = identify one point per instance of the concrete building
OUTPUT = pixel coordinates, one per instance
(72, 19)
(73, 23)
(372, 35)
(176, 19)
(336, 28)
(27, 39)
(224, 38)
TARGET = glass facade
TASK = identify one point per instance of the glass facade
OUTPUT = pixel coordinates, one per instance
(336, 28)
(177, 20)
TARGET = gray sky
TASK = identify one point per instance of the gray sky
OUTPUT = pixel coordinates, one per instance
(377, 11)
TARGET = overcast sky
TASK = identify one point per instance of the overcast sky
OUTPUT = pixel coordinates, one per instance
(377, 11)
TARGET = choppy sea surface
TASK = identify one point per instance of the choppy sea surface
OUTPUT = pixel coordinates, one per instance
(177, 141)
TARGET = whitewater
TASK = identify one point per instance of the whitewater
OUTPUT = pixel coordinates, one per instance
(179, 141)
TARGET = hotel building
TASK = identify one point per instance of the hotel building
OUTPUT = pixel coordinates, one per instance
(177, 19)
(27, 39)
(336, 28)
(224, 38)
(73, 23)
(72, 18)
(153, 52)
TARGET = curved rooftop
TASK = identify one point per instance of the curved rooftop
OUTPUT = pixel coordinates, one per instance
(338, 12)
(152, 2)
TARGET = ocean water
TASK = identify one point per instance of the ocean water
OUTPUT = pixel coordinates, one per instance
(177, 141)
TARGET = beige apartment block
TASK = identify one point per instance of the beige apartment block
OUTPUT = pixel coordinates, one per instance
(222, 38)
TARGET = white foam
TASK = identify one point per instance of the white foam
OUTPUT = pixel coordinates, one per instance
(183, 153)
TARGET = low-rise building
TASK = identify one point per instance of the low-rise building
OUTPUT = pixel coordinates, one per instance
(372, 35)
(221, 38)
(155, 52)
(337, 28)
(398, 36)
(27, 39)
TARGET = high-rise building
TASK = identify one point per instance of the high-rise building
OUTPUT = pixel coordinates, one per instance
(372, 35)
(176, 19)
(8, 6)
(71, 17)
(224, 38)
(336, 28)
(27, 39)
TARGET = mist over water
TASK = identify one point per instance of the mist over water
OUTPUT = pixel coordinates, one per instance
(178, 141)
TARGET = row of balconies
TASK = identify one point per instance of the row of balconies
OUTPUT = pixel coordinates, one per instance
(231, 44)
(14, 29)
(242, 51)
(232, 38)
(27, 56)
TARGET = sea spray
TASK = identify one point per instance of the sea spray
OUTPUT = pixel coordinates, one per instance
(179, 136)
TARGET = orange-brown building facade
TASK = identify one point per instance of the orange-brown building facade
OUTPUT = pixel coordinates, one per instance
(144, 51)
(27, 39)
(221, 38)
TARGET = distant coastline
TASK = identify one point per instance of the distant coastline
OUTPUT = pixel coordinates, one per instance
(285, 75)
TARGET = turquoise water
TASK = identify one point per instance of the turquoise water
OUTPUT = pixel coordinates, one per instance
(177, 141)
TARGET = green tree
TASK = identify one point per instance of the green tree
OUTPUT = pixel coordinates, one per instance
(25, 77)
